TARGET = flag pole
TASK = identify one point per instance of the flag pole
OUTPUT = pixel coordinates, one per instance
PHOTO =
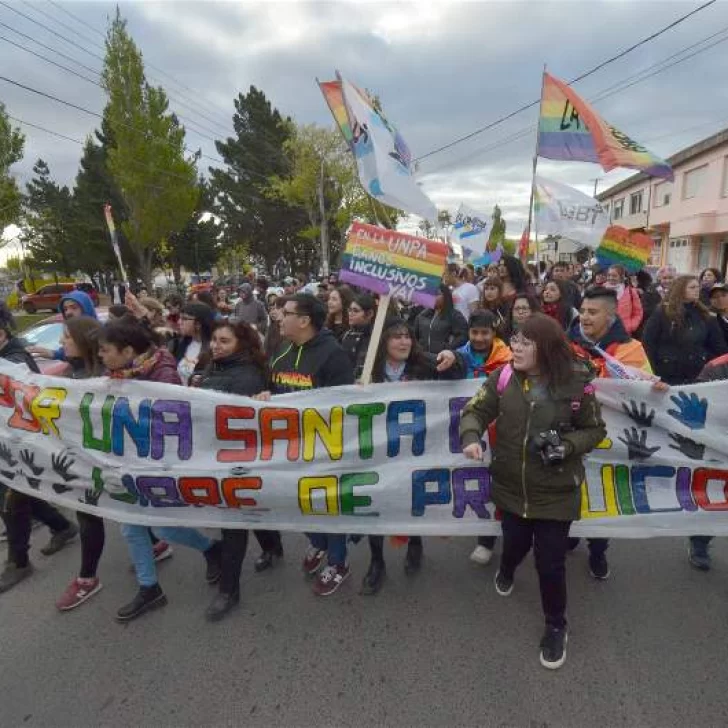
(533, 173)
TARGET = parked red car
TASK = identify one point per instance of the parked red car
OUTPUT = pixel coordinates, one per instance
(49, 297)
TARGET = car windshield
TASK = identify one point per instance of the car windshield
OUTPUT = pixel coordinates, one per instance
(46, 335)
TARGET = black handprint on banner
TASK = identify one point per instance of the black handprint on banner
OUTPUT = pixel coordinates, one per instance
(92, 495)
(639, 414)
(637, 448)
(28, 459)
(62, 465)
(6, 456)
(694, 450)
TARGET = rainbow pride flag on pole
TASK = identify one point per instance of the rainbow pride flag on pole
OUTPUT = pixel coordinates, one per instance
(569, 129)
(620, 246)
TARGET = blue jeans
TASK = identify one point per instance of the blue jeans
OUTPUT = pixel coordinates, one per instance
(141, 552)
(334, 543)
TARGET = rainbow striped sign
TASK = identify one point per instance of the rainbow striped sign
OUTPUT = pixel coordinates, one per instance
(387, 261)
(619, 246)
(569, 129)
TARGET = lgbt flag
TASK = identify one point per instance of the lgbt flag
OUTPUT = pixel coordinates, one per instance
(383, 159)
(470, 229)
(569, 129)
(619, 246)
(335, 99)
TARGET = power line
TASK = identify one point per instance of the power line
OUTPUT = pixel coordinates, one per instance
(581, 77)
(101, 58)
(609, 91)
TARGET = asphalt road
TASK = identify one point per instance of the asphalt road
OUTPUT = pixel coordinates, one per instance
(647, 648)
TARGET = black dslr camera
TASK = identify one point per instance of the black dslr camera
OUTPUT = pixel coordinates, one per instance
(550, 447)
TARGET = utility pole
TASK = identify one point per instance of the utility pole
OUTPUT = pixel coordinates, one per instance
(324, 226)
(595, 180)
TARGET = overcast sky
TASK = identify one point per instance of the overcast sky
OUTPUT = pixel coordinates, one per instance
(441, 69)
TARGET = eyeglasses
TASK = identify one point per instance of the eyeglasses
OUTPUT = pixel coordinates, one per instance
(521, 309)
(519, 340)
(355, 309)
(286, 314)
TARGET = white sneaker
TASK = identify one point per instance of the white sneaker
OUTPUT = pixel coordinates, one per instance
(481, 555)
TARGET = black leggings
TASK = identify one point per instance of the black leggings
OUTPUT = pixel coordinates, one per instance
(20, 510)
(549, 539)
(234, 547)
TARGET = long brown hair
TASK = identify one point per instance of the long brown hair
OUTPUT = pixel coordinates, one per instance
(675, 302)
(554, 356)
(346, 295)
(492, 283)
(84, 331)
(248, 342)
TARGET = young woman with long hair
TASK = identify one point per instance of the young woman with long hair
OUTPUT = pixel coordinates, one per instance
(443, 327)
(629, 303)
(524, 306)
(547, 418)
(514, 277)
(708, 278)
(191, 348)
(682, 335)
(492, 300)
(401, 359)
(356, 340)
(238, 366)
(339, 300)
(555, 304)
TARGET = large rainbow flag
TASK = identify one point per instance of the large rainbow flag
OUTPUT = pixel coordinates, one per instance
(620, 246)
(569, 129)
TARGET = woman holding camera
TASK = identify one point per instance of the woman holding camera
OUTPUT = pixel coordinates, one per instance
(546, 419)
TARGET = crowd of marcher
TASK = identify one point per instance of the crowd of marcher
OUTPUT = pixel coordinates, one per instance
(536, 336)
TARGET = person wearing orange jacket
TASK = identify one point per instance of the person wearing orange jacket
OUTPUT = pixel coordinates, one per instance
(597, 332)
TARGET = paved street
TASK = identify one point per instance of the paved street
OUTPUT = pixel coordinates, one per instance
(647, 648)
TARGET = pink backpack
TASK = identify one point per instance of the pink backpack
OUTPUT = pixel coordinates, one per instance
(506, 374)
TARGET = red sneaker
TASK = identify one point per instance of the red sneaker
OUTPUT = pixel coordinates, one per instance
(330, 579)
(313, 560)
(162, 550)
(78, 591)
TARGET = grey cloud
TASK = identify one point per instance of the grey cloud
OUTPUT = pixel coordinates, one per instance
(441, 70)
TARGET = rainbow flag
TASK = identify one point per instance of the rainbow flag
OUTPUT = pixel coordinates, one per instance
(619, 246)
(569, 129)
(334, 97)
(387, 261)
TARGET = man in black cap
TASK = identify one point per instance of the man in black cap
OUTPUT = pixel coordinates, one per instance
(719, 306)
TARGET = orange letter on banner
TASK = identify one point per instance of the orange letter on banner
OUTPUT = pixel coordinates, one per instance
(24, 396)
(269, 434)
(231, 486)
(249, 438)
(199, 491)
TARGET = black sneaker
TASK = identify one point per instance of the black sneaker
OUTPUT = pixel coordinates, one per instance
(60, 539)
(267, 560)
(374, 578)
(12, 575)
(553, 648)
(213, 557)
(413, 559)
(147, 598)
(221, 605)
(598, 566)
(503, 586)
(698, 555)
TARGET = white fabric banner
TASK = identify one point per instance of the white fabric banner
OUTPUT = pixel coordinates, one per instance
(383, 158)
(470, 230)
(377, 459)
(563, 210)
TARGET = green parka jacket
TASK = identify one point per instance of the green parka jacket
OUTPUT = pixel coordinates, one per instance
(520, 482)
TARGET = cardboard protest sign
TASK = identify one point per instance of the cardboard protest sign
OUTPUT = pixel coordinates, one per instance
(390, 262)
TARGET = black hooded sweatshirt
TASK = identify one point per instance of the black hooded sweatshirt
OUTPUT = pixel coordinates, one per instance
(320, 362)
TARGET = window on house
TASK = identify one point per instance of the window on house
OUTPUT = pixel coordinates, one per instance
(663, 194)
(618, 209)
(635, 203)
(693, 182)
